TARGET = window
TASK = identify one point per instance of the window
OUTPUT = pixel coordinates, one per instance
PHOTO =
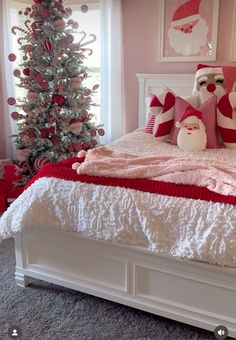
(87, 14)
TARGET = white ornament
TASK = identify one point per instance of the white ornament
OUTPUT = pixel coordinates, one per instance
(32, 96)
(59, 25)
(75, 82)
(76, 128)
(22, 154)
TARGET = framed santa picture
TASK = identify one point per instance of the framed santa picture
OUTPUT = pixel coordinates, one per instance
(188, 30)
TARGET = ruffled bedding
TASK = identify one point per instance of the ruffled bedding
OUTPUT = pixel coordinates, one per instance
(172, 226)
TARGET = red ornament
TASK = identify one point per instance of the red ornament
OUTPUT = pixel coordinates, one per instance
(11, 101)
(47, 46)
(93, 142)
(38, 1)
(44, 133)
(39, 79)
(37, 24)
(26, 71)
(84, 8)
(58, 99)
(101, 132)
(15, 115)
(56, 140)
(73, 120)
(44, 13)
(77, 147)
(92, 132)
(16, 73)
(31, 133)
(12, 57)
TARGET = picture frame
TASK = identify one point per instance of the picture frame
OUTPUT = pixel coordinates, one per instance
(188, 30)
(233, 37)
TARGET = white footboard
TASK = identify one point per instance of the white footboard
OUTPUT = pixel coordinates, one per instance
(198, 294)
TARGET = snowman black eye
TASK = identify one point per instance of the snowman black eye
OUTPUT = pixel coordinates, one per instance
(219, 81)
(203, 82)
(182, 29)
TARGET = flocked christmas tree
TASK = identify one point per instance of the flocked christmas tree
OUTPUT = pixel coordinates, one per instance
(54, 119)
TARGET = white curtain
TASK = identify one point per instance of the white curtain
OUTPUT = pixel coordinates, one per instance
(112, 96)
(7, 125)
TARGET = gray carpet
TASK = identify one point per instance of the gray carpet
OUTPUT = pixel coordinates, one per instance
(47, 311)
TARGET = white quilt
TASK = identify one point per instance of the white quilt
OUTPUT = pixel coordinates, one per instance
(184, 228)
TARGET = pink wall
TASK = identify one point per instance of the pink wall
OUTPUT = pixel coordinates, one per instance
(141, 34)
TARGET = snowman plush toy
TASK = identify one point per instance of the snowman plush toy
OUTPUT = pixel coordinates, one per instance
(192, 134)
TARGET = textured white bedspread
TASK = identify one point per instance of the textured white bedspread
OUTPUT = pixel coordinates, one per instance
(180, 227)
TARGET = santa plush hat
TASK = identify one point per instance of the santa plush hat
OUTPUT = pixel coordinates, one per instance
(190, 116)
(186, 13)
(205, 70)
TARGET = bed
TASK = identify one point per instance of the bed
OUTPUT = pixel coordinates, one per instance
(71, 245)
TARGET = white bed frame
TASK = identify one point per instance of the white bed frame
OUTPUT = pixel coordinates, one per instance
(191, 292)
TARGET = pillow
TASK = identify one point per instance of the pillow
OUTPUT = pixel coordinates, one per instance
(149, 123)
(208, 110)
(156, 106)
(166, 119)
(226, 119)
(230, 78)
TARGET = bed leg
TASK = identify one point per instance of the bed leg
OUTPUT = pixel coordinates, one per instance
(21, 280)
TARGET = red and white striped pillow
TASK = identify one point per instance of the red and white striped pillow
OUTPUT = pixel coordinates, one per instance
(166, 119)
(155, 108)
(226, 119)
(161, 114)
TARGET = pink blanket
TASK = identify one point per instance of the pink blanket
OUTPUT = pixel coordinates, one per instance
(216, 176)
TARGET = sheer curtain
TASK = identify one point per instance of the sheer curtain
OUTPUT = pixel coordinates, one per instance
(112, 96)
(7, 125)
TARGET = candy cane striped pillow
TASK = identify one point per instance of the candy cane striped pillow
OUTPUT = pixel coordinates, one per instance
(166, 119)
(156, 104)
(155, 108)
(226, 119)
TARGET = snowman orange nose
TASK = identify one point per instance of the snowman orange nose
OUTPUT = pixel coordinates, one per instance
(211, 87)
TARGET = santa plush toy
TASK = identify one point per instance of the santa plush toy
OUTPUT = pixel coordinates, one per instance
(192, 134)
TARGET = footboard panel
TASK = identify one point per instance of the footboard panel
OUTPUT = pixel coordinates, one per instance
(195, 293)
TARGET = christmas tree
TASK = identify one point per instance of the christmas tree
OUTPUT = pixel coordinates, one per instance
(53, 121)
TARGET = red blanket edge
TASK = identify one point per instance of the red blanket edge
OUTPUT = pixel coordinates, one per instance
(63, 170)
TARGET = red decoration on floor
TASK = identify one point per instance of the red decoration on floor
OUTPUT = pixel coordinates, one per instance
(8, 190)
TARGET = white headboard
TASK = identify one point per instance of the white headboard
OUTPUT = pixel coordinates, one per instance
(181, 84)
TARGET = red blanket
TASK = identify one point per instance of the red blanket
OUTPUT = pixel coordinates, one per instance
(63, 170)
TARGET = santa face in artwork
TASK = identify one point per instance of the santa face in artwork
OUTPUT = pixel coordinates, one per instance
(192, 135)
(188, 31)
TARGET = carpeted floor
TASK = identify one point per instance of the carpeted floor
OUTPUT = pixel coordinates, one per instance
(46, 311)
